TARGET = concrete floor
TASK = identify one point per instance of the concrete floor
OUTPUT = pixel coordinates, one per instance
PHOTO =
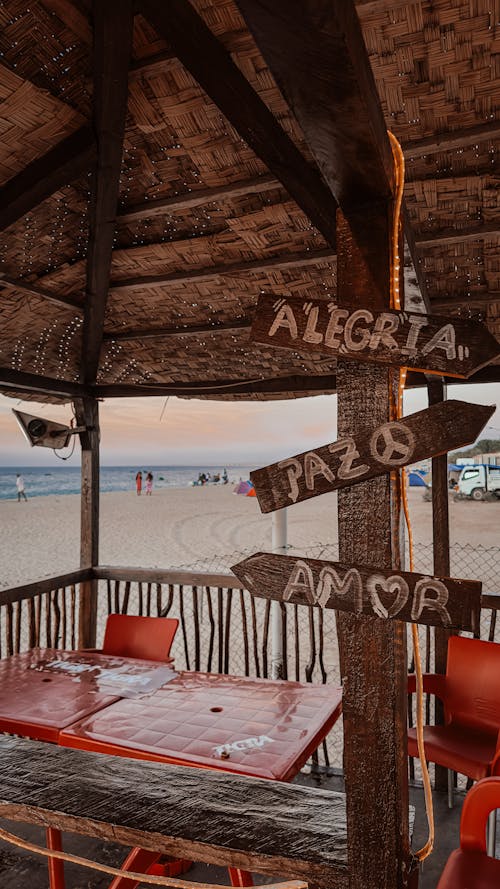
(21, 870)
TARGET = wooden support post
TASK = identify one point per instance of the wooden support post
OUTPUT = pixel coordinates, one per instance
(441, 549)
(373, 653)
(87, 414)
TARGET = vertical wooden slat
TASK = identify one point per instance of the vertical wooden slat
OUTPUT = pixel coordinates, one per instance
(255, 637)
(109, 601)
(17, 627)
(183, 627)
(48, 619)
(309, 669)
(244, 630)
(265, 640)
(148, 599)
(64, 623)
(212, 629)
(227, 629)
(126, 597)
(73, 616)
(56, 611)
(38, 620)
(31, 623)
(373, 652)
(8, 629)
(140, 598)
(284, 638)
(296, 634)
(196, 627)
(117, 596)
(220, 629)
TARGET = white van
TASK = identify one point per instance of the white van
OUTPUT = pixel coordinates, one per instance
(478, 480)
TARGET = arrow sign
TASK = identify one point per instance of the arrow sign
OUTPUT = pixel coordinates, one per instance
(450, 346)
(398, 595)
(371, 452)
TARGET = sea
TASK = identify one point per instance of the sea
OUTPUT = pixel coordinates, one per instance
(40, 481)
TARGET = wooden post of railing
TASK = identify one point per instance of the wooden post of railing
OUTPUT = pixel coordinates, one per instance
(87, 413)
(278, 545)
(373, 652)
(436, 390)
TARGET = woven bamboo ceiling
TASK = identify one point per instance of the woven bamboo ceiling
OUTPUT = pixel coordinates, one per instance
(155, 180)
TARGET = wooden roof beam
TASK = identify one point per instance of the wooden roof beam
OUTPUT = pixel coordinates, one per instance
(113, 25)
(452, 140)
(270, 386)
(19, 381)
(156, 333)
(44, 176)
(455, 236)
(13, 284)
(276, 263)
(316, 52)
(197, 198)
(211, 65)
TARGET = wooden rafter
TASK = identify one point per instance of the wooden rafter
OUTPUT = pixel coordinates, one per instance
(190, 330)
(211, 65)
(197, 198)
(60, 166)
(317, 54)
(483, 232)
(19, 381)
(271, 386)
(13, 284)
(277, 263)
(452, 140)
(113, 23)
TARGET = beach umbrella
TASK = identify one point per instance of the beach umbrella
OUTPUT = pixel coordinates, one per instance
(251, 491)
(242, 487)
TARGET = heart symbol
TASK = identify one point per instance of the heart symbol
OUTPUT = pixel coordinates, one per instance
(394, 586)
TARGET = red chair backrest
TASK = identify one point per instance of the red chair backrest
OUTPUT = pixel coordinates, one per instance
(473, 683)
(149, 638)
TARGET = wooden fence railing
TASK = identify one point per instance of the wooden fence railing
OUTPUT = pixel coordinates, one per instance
(222, 627)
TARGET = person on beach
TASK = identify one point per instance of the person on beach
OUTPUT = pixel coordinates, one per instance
(149, 483)
(20, 488)
(138, 482)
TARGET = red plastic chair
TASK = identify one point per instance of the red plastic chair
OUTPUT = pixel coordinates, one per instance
(469, 740)
(469, 867)
(148, 638)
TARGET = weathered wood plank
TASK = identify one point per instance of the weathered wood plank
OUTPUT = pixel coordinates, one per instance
(369, 453)
(211, 65)
(202, 815)
(33, 383)
(165, 332)
(58, 167)
(113, 24)
(431, 343)
(276, 263)
(166, 575)
(198, 197)
(30, 590)
(372, 652)
(87, 414)
(362, 589)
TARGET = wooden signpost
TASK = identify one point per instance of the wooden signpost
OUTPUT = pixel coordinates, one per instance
(449, 346)
(369, 453)
(398, 595)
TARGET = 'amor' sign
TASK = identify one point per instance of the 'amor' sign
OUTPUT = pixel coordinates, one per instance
(430, 343)
(388, 594)
(368, 453)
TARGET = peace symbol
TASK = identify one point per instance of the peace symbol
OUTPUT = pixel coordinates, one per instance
(392, 444)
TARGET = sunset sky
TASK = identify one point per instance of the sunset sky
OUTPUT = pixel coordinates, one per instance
(204, 433)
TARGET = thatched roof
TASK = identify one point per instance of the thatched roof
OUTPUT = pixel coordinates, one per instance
(217, 202)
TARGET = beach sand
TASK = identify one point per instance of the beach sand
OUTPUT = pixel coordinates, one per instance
(204, 528)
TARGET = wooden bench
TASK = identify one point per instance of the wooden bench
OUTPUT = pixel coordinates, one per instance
(267, 827)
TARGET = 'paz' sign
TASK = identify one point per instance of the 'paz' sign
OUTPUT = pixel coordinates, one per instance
(388, 594)
(430, 343)
(371, 452)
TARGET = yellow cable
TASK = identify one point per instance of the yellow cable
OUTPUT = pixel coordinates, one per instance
(148, 879)
(399, 164)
